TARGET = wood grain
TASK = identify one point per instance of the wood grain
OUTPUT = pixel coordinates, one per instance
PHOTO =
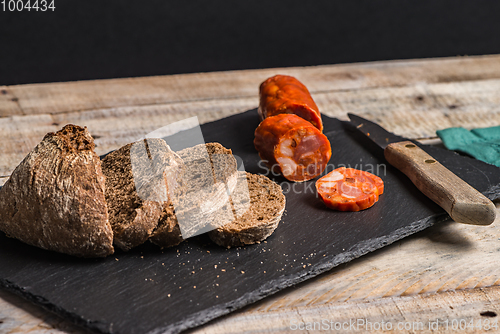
(8, 103)
(431, 313)
(97, 94)
(398, 109)
(417, 278)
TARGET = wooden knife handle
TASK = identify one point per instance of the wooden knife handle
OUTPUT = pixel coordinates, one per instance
(463, 203)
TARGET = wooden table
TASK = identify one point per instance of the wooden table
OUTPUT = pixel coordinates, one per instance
(448, 272)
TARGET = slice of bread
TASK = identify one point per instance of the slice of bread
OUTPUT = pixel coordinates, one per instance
(168, 232)
(210, 174)
(55, 198)
(267, 204)
(140, 178)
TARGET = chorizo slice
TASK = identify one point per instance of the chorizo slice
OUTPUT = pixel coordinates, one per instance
(292, 146)
(283, 94)
(349, 189)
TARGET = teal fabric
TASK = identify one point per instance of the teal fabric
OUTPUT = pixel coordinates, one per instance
(483, 144)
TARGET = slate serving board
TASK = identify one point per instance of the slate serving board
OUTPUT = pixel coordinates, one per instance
(148, 290)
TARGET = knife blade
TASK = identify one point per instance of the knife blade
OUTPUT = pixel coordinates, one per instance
(461, 201)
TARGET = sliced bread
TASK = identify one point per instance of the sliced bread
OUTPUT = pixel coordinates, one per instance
(267, 204)
(140, 178)
(168, 232)
(210, 175)
(55, 198)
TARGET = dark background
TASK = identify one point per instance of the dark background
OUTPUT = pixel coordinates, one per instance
(95, 39)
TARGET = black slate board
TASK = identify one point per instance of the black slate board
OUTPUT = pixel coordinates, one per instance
(151, 291)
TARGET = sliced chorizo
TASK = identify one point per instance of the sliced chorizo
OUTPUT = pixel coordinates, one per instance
(349, 189)
(283, 94)
(292, 146)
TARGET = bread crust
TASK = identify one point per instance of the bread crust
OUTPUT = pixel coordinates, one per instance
(55, 198)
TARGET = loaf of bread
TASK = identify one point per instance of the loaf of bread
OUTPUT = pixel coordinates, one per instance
(267, 204)
(139, 178)
(55, 198)
(62, 197)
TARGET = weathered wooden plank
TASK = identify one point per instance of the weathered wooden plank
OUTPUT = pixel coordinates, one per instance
(471, 311)
(418, 111)
(8, 103)
(413, 111)
(98, 94)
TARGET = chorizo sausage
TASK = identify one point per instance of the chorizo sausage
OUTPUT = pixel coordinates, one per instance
(349, 189)
(292, 146)
(282, 94)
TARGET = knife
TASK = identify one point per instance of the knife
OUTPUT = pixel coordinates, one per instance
(461, 201)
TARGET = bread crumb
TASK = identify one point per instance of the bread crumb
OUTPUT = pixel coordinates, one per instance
(215, 266)
(194, 286)
(223, 270)
(168, 295)
(242, 272)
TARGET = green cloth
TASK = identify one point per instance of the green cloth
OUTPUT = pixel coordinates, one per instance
(483, 144)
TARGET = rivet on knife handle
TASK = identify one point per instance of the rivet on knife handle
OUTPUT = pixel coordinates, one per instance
(463, 203)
